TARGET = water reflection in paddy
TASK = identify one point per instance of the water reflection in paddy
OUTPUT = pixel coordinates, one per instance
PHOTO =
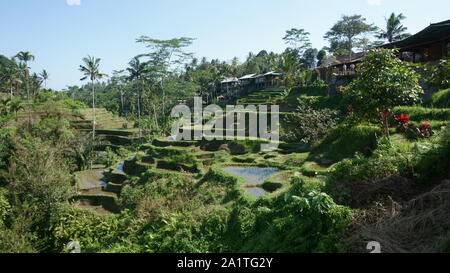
(254, 176)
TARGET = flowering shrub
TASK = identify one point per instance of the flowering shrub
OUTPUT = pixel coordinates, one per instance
(404, 126)
(402, 122)
(383, 82)
(403, 119)
(423, 131)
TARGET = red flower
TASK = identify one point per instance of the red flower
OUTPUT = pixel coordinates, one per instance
(426, 125)
(403, 119)
(350, 108)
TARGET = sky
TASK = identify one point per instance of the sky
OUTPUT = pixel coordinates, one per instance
(59, 33)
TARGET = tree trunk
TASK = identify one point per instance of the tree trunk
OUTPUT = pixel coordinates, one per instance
(93, 110)
(121, 103)
(28, 97)
(350, 48)
(93, 122)
(139, 108)
(155, 117)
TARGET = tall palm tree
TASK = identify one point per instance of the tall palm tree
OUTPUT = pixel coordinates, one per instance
(91, 72)
(25, 57)
(118, 81)
(395, 31)
(16, 106)
(5, 106)
(35, 84)
(137, 72)
(11, 76)
(44, 76)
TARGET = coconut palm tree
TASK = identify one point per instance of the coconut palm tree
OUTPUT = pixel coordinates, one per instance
(44, 76)
(137, 72)
(91, 72)
(35, 84)
(15, 106)
(118, 81)
(5, 106)
(395, 31)
(11, 76)
(25, 57)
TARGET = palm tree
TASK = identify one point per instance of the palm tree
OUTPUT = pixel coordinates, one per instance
(35, 84)
(137, 71)
(44, 75)
(11, 76)
(72, 90)
(26, 57)
(15, 106)
(395, 31)
(5, 106)
(90, 69)
(118, 81)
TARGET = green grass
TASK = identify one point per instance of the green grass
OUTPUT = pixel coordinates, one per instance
(419, 114)
(262, 97)
(308, 91)
(317, 102)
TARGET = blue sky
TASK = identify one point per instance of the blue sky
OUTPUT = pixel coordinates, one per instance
(61, 32)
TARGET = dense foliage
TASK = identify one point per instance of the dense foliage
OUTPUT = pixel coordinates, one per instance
(336, 169)
(308, 124)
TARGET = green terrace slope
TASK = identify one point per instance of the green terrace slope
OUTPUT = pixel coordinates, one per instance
(103, 119)
(115, 131)
(266, 96)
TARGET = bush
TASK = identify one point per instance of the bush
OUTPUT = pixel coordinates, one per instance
(272, 186)
(91, 230)
(440, 99)
(438, 75)
(344, 141)
(130, 196)
(109, 158)
(434, 163)
(307, 124)
(297, 222)
(387, 160)
(4, 207)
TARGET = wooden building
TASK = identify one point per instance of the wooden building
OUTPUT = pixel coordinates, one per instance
(229, 85)
(429, 45)
(268, 80)
(247, 79)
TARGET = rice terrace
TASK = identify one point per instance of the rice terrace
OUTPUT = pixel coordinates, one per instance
(324, 135)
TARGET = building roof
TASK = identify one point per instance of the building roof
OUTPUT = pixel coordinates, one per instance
(231, 79)
(246, 77)
(433, 33)
(274, 73)
(343, 59)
